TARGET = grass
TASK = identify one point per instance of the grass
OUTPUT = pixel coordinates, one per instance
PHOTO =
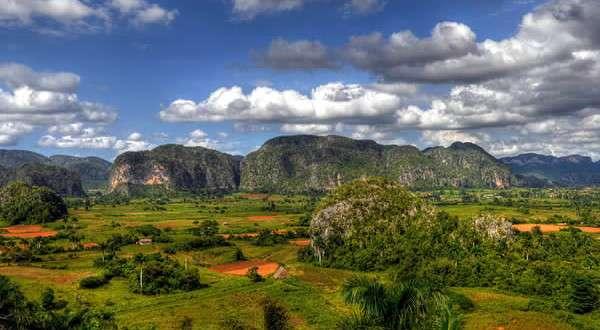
(310, 293)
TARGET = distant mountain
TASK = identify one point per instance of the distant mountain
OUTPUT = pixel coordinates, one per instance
(93, 171)
(569, 171)
(176, 168)
(298, 164)
(14, 158)
(61, 180)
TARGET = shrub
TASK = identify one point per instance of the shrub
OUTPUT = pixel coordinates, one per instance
(267, 238)
(206, 228)
(275, 315)
(49, 302)
(253, 275)
(239, 255)
(583, 297)
(160, 275)
(187, 323)
(20, 313)
(93, 282)
(233, 322)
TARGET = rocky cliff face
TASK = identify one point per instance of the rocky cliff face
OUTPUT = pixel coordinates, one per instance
(300, 164)
(468, 165)
(176, 168)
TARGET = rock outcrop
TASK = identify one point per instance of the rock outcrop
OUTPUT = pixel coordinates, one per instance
(175, 168)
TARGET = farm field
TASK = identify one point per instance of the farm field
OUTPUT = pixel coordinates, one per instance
(310, 293)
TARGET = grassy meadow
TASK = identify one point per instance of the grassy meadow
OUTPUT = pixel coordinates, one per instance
(310, 293)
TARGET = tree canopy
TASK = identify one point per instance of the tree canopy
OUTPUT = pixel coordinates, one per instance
(24, 204)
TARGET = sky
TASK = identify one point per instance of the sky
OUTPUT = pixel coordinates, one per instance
(102, 77)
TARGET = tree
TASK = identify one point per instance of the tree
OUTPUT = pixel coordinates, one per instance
(14, 311)
(206, 228)
(583, 297)
(400, 305)
(17, 312)
(275, 315)
(49, 302)
(254, 276)
(22, 203)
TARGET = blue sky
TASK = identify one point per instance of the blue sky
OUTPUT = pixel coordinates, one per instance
(135, 59)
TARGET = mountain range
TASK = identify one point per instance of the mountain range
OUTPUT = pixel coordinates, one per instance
(569, 171)
(296, 164)
(67, 175)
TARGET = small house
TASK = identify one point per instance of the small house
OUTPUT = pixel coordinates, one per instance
(144, 241)
(280, 273)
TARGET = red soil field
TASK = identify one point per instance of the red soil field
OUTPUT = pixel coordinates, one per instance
(261, 217)
(28, 231)
(90, 245)
(300, 242)
(252, 235)
(254, 196)
(545, 228)
(265, 268)
(44, 275)
(21, 229)
(247, 235)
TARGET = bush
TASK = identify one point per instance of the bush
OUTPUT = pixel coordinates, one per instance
(253, 275)
(199, 243)
(206, 228)
(49, 302)
(20, 313)
(583, 297)
(160, 275)
(239, 255)
(22, 203)
(267, 238)
(233, 322)
(93, 282)
(275, 315)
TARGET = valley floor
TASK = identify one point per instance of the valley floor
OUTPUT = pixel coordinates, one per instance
(310, 293)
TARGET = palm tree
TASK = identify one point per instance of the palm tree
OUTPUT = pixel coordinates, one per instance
(398, 306)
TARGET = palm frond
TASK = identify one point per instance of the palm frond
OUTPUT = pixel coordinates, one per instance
(367, 293)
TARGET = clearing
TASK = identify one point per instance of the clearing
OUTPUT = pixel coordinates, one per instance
(547, 228)
(265, 268)
(28, 231)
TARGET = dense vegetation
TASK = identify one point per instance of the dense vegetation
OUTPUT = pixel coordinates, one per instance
(21, 203)
(460, 273)
(376, 224)
(17, 312)
(398, 305)
(148, 274)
